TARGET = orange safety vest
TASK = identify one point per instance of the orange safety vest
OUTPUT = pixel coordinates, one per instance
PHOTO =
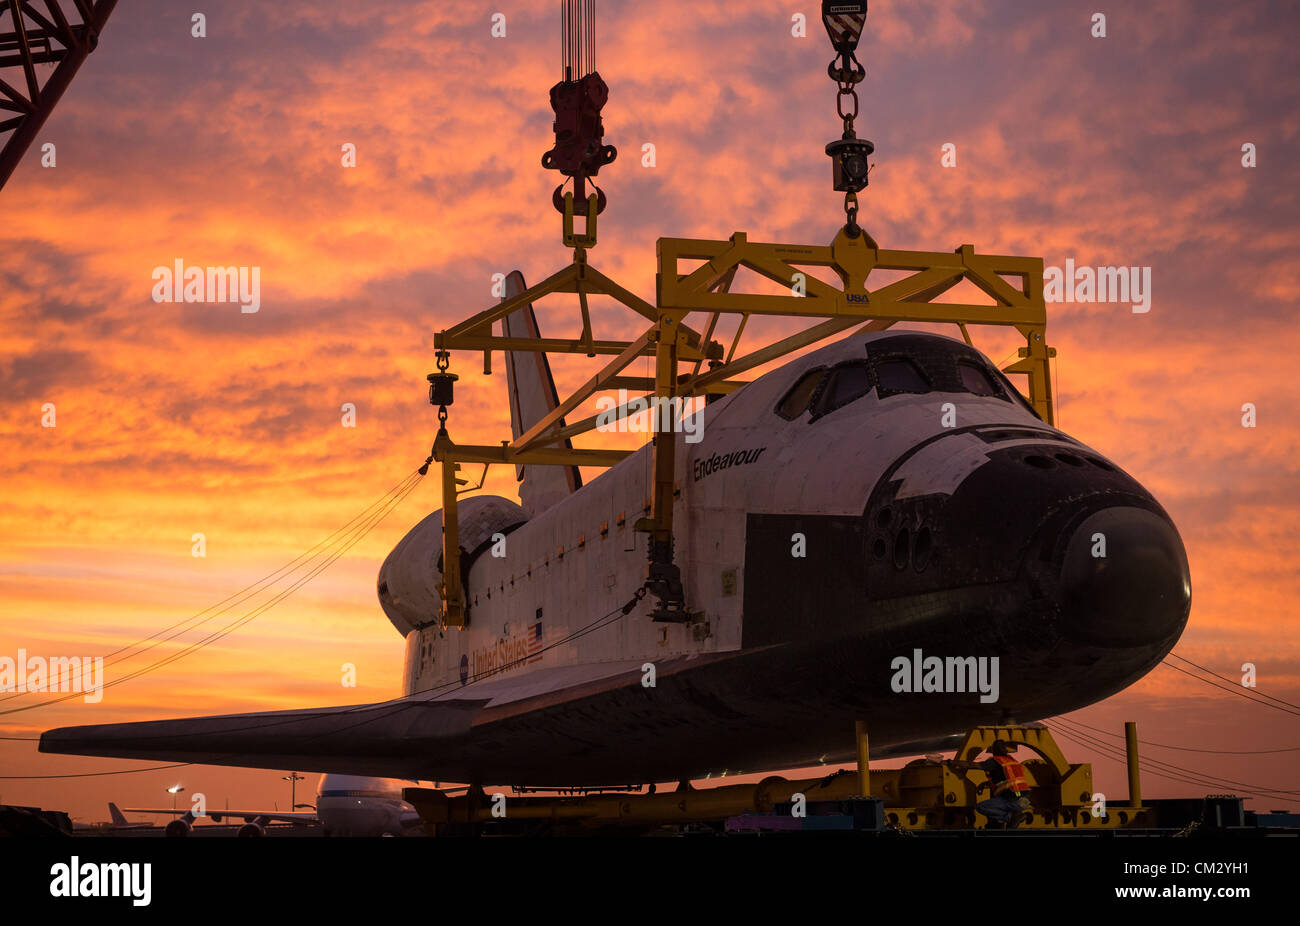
(1015, 774)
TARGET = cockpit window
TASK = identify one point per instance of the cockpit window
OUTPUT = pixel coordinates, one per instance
(796, 400)
(975, 380)
(849, 381)
(945, 365)
(902, 364)
(844, 383)
(1011, 394)
(900, 375)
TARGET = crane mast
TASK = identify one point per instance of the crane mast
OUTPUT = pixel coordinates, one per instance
(63, 35)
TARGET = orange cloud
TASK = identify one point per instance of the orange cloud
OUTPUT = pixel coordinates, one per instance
(176, 418)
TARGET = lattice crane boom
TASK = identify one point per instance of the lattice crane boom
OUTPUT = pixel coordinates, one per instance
(61, 34)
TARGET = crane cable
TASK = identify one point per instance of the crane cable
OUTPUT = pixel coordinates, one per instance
(1238, 692)
(1083, 742)
(1231, 682)
(1216, 752)
(341, 541)
(578, 38)
(598, 624)
(1166, 770)
(248, 591)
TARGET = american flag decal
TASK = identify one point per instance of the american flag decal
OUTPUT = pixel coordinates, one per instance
(535, 643)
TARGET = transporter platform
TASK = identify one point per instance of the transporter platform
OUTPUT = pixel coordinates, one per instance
(928, 796)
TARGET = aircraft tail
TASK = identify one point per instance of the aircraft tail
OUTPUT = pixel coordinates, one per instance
(116, 815)
(532, 397)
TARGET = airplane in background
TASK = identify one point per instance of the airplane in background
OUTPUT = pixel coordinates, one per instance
(970, 539)
(346, 805)
(119, 822)
(116, 823)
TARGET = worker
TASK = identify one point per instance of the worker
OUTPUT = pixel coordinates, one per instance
(1009, 783)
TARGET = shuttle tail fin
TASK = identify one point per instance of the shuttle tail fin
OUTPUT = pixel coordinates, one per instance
(532, 396)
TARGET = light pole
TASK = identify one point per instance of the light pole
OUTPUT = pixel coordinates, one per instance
(173, 791)
(293, 780)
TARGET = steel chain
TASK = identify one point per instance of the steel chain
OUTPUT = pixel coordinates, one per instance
(847, 75)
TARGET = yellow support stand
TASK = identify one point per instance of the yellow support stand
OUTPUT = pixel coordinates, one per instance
(864, 758)
(925, 795)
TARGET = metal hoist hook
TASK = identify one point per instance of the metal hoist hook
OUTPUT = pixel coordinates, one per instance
(844, 21)
(442, 388)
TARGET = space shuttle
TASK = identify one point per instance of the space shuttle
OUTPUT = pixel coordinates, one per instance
(887, 500)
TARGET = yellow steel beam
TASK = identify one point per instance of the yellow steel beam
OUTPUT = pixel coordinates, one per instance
(665, 443)
(903, 308)
(778, 271)
(595, 383)
(864, 758)
(504, 453)
(535, 345)
(708, 288)
(633, 406)
(491, 342)
(475, 333)
(708, 333)
(577, 277)
(1035, 360)
(1131, 760)
(696, 384)
(735, 338)
(634, 302)
(724, 282)
(481, 324)
(853, 260)
(450, 588)
(647, 384)
(615, 414)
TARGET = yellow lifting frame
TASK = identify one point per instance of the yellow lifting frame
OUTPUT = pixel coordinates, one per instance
(909, 299)
(1014, 284)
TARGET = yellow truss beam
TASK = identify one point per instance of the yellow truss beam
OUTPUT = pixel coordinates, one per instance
(929, 275)
(505, 454)
(579, 277)
(1013, 284)
(585, 391)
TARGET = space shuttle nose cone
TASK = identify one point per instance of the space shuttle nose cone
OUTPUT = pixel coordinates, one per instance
(1124, 580)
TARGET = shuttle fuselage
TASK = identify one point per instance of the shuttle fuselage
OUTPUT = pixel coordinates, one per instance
(881, 530)
(890, 496)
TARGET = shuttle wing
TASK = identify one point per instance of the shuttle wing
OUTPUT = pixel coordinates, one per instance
(382, 739)
(502, 728)
(418, 737)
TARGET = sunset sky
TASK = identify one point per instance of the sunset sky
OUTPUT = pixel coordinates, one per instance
(176, 419)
